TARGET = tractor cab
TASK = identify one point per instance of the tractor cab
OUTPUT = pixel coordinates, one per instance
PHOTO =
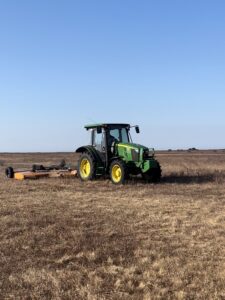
(112, 152)
(105, 139)
(104, 136)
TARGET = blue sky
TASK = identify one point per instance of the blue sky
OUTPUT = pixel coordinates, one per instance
(159, 64)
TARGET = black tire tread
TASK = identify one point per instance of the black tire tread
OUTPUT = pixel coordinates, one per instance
(154, 175)
(93, 166)
(124, 171)
(9, 172)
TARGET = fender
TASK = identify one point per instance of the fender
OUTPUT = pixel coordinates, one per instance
(114, 158)
(92, 151)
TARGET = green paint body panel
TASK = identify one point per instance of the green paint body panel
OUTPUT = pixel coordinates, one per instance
(130, 152)
(149, 164)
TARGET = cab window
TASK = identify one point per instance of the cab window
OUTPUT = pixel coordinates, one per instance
(98, 140)
(124, 135)
(115, 134)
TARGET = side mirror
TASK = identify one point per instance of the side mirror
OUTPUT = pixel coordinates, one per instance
(99, 130)
(137, 129)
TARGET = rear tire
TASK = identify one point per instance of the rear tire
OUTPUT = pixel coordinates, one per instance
(118, 172)
(86, 167)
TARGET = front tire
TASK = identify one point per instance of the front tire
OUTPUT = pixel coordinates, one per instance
(118, 172)
(153, 175)
(86, 167)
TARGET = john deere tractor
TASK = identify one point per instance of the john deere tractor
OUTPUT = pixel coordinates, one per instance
(112, 152)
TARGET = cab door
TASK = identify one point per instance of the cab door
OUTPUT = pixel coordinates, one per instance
(98, 142)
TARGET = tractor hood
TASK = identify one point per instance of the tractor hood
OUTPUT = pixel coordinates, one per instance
(137, 151)
(132, 146)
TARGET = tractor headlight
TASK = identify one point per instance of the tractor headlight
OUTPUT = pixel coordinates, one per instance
(148, 153)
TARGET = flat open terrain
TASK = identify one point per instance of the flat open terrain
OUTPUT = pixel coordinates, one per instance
(64, 239)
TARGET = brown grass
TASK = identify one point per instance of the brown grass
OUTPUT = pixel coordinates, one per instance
(64, 239)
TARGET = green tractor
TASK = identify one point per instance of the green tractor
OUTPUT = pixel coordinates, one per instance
(112, 152)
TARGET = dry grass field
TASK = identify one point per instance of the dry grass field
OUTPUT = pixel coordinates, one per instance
(64, 239)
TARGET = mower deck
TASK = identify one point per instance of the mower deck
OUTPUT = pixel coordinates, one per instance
(51, 174)
(40, 171)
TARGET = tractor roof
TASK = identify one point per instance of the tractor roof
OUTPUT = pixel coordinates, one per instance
(105, 125)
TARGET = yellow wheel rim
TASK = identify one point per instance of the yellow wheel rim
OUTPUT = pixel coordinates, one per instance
(116, 173)
(85, 168)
